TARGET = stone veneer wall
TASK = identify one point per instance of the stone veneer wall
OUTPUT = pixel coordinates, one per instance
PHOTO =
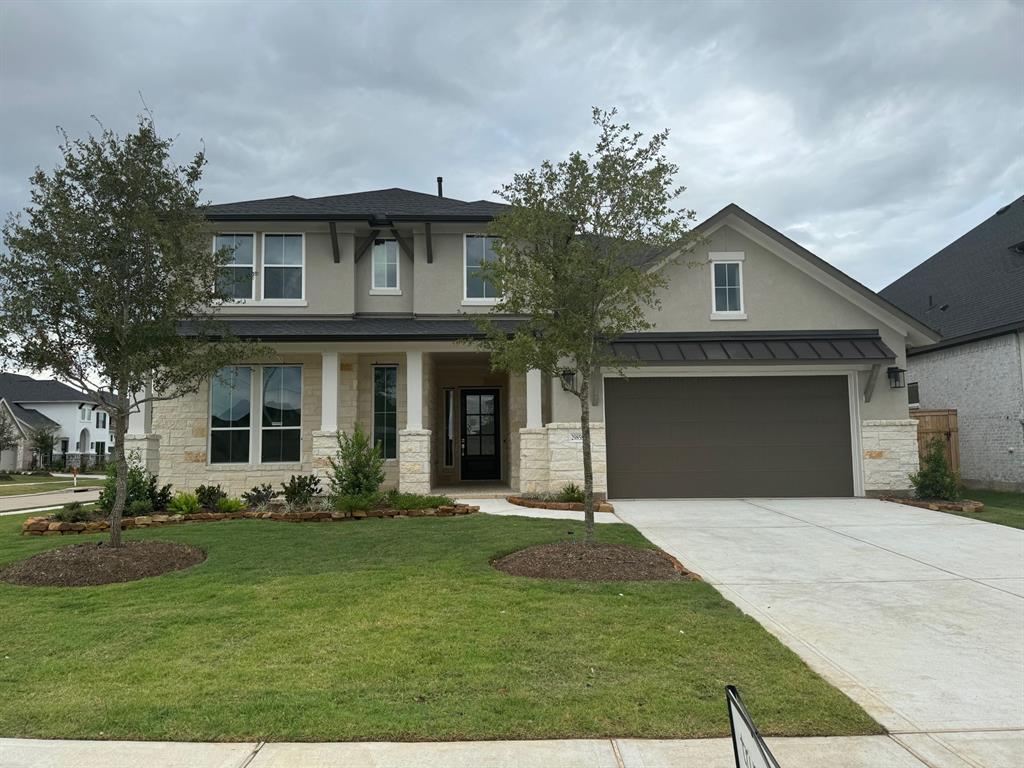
(516, 422)
(183, 427)
(414, 460)
(890, 454)
(552, 456)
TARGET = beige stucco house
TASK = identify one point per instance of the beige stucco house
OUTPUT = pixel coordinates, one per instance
(766, 373)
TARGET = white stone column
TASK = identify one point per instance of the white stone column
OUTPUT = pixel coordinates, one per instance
(534, 417)
(329, 392)
(414, 390)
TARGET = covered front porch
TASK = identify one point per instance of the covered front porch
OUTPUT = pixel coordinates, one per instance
(446, 422)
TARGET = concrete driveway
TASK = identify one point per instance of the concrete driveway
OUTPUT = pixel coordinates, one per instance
(917, 615)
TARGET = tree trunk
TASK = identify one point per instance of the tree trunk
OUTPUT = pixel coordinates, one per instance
(588, 463)
(121, 464)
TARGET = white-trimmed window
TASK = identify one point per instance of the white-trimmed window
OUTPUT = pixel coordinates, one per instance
(479, 249)
(230, 415)
(284, 258)
(237, 277)
(385, 267)
(385, 409)
(101, 419)
(281, 414)
(727, 285)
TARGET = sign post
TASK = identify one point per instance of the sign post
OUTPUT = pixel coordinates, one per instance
(748, 746)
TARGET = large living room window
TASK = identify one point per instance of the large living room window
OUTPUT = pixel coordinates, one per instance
(727, 286)
(230, 407)
(479, 251)
(236, 278)
(281, 414)
(385, 267)
(385, 409)
(283, 262)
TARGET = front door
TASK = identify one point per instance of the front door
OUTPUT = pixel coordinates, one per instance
(481, 449)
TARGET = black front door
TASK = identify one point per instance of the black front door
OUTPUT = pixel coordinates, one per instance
(481, 450)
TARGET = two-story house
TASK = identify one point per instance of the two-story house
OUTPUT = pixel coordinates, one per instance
(769, 372)
(81, 430)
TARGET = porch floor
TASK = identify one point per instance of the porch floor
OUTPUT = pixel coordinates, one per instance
(467, 490)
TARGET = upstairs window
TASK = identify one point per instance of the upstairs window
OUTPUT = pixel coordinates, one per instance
(236, 278)
(101, 419)
(727, 284)
(385, 266)
(385, 409)
(281, 435)
(230, 408)
(283, 261)
(479, 251)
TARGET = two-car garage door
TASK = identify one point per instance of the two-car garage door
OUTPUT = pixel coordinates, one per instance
(723, 436)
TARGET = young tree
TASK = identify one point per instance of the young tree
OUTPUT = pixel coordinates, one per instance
(42, 440)
(573, 256)
(9, 434)
(102, 269)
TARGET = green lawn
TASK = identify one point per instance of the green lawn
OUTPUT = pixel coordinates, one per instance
(388, 630)
(1000, 507)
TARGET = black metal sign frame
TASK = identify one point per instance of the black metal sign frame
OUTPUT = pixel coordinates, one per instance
(733, 702)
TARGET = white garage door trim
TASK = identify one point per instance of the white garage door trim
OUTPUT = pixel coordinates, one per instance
(853, 394)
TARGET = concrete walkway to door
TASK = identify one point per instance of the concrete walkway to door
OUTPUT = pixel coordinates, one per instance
(917, 615)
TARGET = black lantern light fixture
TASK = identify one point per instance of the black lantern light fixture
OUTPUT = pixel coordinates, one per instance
(896, 379)
(568, 378)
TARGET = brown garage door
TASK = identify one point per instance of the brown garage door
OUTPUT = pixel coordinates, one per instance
(728, 437)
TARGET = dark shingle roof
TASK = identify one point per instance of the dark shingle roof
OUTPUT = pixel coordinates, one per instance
(754, 347)
(389, 204)
(973, 285)
(16, 388)
(31, 417)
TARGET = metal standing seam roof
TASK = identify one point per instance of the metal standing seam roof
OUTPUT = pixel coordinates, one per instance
(351, 329)
(755, 347)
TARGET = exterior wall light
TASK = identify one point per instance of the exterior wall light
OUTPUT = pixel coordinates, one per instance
(568, 378)
(896, 379)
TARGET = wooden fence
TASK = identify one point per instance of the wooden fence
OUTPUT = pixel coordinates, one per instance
(942, 424)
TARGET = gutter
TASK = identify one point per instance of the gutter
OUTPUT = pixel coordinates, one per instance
(967, 338)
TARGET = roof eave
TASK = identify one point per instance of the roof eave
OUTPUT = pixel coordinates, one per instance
(368, 217)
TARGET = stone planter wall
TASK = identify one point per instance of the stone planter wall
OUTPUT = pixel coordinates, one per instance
(570, 506)
(44, 526)
(939, 506)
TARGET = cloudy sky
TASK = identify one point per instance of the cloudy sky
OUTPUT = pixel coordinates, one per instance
(873, 133)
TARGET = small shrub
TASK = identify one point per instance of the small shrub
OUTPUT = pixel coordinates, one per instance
(41, 473)
(300, 490)
(184, 503)
(936, 480)
(228, 505)
(141, 484)
(209, 495)
(4, 477)
(140, 507)
(72, 513)
(357, 469)
(571, 493)
(259, 496)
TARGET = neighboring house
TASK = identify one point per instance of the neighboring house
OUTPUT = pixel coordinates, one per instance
(766, 374)
(82, 429)
(972, 292)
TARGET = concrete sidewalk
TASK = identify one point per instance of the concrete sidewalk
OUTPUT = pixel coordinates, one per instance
(502, 507)
(837, 752)
(15, 505)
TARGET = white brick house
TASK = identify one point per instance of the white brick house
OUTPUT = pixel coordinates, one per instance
(972, 292)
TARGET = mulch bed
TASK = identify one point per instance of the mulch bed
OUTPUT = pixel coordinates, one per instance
(86, 565)
(579, 561)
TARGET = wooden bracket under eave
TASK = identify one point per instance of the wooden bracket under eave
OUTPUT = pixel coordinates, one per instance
(334, 242)
(869, 388)
(430, 243)
(403, 243)
(365, 243)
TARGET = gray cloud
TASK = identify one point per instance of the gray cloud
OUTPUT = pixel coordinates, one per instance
(873, 133)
